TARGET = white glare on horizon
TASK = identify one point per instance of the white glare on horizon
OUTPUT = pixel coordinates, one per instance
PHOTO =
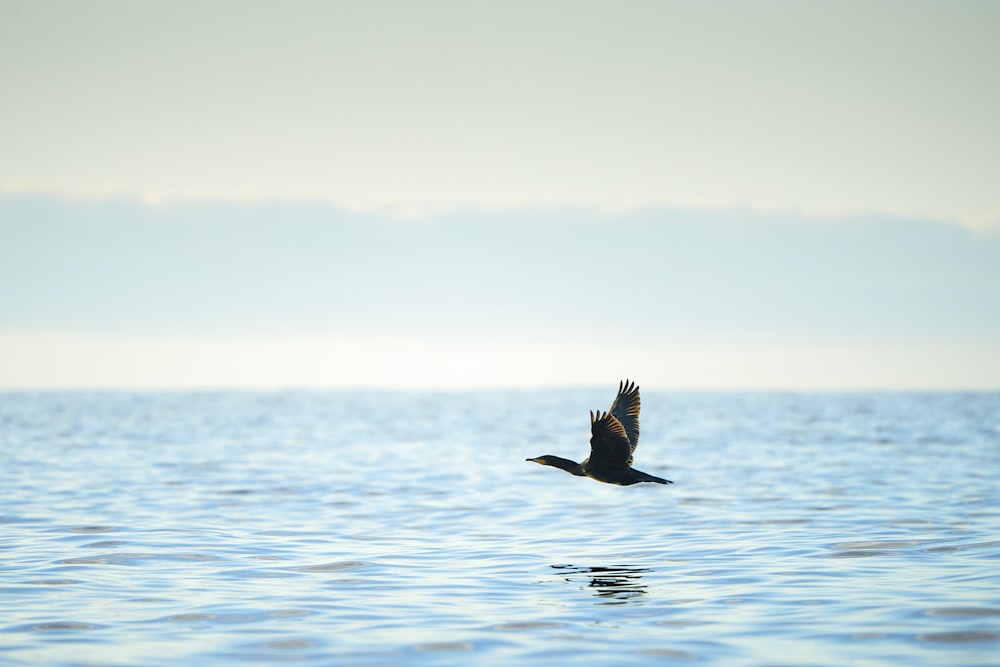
(31, 361)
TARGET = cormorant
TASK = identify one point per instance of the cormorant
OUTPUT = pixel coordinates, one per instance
(614, 436)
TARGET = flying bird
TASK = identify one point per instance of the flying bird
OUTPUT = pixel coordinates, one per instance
(613, 438)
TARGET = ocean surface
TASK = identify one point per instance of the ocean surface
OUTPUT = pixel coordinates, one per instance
(392, 528)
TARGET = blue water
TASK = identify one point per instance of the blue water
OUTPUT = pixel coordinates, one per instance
(406, 528)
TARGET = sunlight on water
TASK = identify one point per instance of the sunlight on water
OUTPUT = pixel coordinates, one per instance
(406, 528)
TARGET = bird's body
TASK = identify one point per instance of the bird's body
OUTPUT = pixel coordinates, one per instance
(614, 437)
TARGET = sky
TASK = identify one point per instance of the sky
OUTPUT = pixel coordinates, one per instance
(786, 195)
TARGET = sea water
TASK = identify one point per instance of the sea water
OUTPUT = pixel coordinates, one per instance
(384, 528)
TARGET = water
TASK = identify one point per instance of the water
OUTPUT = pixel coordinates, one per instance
(406, 528)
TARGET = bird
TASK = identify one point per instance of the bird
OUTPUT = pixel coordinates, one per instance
(613, 438)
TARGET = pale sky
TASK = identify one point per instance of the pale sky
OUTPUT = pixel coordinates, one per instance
(816, 107)
(450, 194)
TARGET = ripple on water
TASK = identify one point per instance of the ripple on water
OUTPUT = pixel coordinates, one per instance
(960, 637)
(289, 644)
(233, 618)
(860, 553)
(93, 529)
(870, 548)
(669, 653)
(55, 626)
(332, 567)
(311, 529)
(963, 611)
(450, 647)
(527, 625)
(617, 584)
(964, 547)
(103, 544)
(878, 544)
(131, 559)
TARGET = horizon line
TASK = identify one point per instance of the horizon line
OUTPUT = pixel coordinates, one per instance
(487, 388)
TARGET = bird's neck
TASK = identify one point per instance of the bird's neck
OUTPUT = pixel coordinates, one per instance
(571, 467)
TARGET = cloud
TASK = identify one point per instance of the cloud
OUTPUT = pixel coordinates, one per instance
(214, 293)
(218, 267)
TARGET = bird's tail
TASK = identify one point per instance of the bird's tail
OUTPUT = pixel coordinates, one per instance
(646, 477)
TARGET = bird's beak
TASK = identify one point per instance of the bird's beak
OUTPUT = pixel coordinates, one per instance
(537, 460)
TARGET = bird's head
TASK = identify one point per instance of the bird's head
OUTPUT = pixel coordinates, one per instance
(559, 462)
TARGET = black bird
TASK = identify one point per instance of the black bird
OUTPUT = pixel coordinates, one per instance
(614, 436)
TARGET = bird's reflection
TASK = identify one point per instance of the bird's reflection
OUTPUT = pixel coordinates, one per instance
(619, 583)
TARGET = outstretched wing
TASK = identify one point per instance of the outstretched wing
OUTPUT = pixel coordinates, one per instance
(626, 410)
(609, 445)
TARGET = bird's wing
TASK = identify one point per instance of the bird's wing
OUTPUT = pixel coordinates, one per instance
(626, 410)
(609, 445)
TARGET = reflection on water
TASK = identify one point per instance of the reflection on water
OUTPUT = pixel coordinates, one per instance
(406, 529)
(619, 584)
